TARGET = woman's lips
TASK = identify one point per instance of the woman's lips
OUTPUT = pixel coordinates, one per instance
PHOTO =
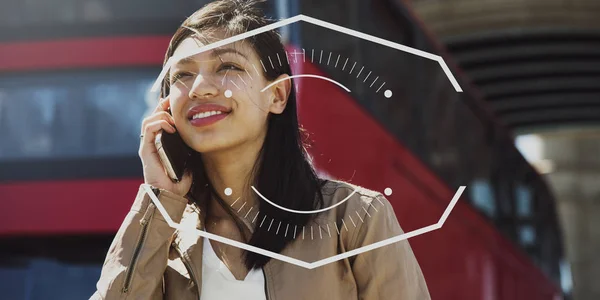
(199, 122)
(207, 113)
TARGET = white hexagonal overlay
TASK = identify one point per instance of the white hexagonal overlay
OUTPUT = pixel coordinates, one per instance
(388, 191)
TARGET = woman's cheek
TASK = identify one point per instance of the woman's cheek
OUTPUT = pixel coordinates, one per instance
(176, 93)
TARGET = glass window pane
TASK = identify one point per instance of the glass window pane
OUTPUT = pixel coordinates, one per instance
(39, 278)
(482, 197)
(523, 197)
(527, 235)
(73, 114)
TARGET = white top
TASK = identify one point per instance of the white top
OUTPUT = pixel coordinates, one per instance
(219, 283)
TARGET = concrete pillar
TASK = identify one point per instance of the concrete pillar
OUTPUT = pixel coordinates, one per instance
(575, 180)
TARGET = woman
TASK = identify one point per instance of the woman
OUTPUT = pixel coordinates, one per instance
(241, 138)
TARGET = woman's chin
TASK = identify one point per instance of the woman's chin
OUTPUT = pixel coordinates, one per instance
(203, 148)
(207, 147)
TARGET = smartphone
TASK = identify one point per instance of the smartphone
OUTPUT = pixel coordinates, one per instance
(174, 154)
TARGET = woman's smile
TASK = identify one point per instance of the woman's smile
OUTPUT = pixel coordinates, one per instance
(207, 114)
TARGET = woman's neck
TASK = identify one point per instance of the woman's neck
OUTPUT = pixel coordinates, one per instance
(232, 170)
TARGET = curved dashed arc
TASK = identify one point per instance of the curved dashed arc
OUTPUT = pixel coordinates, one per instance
(306, 75)
(302, 211)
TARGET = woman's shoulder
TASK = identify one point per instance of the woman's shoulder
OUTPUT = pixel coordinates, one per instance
(358, 207)
(338, 186)
(349, 197)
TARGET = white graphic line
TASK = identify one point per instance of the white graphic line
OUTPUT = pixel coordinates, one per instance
(368, 214)
(241, 207)
(306, 75)
(303, 211)
(171, 61)
(224, 77)
(272, 67)
(248, 212)
(375, 208)
(374, 81)
(354, 65)
(255, 70)
(379, 88)
(270, 224)
(297, 262)
(263, 65)
(235, 84)
(242, 79)
(344, 223)
(367, 76)
(451, 205)
(361, 219)
(360, 71)
(373, 246)
(251, 78)
(352, 220)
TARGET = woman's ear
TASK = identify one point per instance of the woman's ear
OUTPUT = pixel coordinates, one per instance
(280, 93)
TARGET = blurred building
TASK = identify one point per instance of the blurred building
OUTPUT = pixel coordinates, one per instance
(537, 64)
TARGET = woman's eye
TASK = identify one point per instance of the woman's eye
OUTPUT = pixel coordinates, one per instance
(180, 75)
(230, 67)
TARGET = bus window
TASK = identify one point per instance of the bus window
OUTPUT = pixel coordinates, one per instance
(63, 267)
(73, 114)
(482, 197)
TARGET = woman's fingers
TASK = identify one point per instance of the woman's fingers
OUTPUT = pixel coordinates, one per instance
(149, 134)
(163, 105)
(161, 115)
(186, 181)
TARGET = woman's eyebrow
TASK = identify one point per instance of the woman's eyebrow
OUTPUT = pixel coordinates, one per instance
(218, 52)
(186, 61)
(189, 61)
(215, 53)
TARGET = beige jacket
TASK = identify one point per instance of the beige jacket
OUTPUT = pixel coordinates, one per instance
(150, 260)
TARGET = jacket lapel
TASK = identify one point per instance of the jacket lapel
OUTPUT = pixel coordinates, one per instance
(190, 244)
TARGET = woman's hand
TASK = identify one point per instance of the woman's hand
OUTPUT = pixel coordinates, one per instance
(154, 172)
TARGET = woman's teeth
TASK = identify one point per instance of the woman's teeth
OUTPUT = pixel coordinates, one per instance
(206, 114)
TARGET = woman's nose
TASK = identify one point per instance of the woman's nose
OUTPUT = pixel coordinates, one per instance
(203, 87)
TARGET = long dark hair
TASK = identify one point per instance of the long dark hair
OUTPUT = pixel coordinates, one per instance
(282, 172)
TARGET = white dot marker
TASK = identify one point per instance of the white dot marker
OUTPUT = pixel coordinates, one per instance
(228, 93)
(387, 93)
(387, 191)
(228, 191)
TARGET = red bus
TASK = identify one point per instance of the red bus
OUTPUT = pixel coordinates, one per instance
(74, 86)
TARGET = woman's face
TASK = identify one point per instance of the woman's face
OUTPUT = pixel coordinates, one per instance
(216, 99)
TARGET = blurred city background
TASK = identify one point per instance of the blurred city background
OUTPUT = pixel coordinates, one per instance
(523, 136)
